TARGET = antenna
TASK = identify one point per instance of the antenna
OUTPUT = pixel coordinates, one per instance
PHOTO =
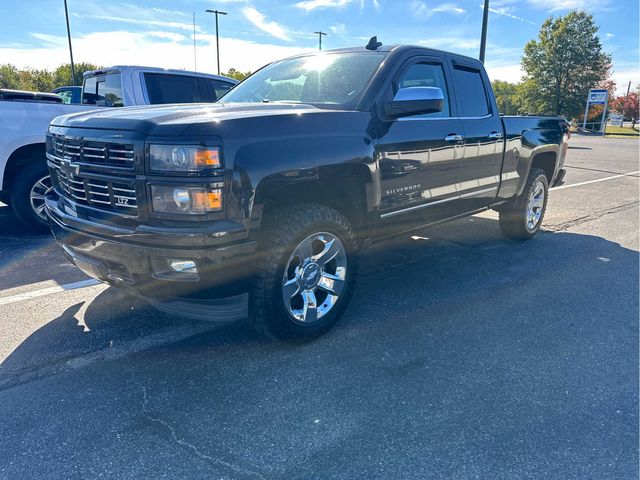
(373, 44)
(195, 58)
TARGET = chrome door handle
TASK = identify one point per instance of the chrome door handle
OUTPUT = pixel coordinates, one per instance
(454, 138)
(495, 135)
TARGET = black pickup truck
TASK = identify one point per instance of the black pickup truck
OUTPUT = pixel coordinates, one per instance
(256, 206)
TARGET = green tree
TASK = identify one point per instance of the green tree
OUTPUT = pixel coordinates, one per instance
(506, 97)
(41, 80)
(237, 74)
(562, 65)
(9, 77)
(62, 74)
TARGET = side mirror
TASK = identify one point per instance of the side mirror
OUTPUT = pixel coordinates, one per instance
(415, 101)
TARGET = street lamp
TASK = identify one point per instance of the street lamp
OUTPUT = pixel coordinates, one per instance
(216, 13)
(73, 69)
(320, 34)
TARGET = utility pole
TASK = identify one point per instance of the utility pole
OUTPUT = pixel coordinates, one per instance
(73, 68)
(320, 34)
(628, 90)
(483, 36)
(216, 13)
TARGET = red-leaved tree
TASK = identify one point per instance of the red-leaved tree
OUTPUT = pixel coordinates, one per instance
(627, 106)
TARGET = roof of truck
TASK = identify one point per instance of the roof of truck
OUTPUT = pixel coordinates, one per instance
(396, 48)
(126, 69)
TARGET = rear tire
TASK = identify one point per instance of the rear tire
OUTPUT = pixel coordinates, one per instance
(521, 219)
(27, 195)
(306, 273)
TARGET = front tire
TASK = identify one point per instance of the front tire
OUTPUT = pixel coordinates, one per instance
(522, 218)
(306, 273)
(27, 195)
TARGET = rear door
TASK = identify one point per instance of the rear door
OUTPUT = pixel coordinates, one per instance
(483, 135)
(420, 156)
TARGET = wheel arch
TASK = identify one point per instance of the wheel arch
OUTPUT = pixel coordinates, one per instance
(341, 187)
(20, 157)
(546, 161)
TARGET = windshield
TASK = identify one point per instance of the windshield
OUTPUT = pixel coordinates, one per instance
(324, 79)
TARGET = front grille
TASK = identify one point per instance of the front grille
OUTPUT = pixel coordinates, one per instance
(93, 153)
(99, 193)
(93, 173)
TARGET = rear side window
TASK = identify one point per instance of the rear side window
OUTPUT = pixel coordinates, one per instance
(471, 92)
(166, 88)
(103, 90)
(426, 75)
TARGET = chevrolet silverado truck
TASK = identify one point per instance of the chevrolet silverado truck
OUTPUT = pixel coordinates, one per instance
(25, 117)
(256, 207)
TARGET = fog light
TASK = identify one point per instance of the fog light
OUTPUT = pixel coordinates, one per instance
(183, 266)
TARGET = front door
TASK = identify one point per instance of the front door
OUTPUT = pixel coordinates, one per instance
(420, 157)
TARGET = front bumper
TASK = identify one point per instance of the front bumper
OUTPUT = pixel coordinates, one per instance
(137, 261)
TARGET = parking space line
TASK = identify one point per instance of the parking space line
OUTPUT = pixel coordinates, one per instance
(48, 291)
(595, 181)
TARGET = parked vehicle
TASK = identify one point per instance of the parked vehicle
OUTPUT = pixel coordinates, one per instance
(27, 96)
(69, 94)
(258, 205)
(25, 116)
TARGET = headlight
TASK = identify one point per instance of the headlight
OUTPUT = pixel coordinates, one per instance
(183, 158)
(186, 199)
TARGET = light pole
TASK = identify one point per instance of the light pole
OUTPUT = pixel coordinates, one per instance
(483, 36)
(73, 68)
(216, 13)
(320, 34)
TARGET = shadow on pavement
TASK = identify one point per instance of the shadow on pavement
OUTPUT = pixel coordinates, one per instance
(472, 358)
(28, 257)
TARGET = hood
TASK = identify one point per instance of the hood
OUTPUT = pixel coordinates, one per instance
(175, 119)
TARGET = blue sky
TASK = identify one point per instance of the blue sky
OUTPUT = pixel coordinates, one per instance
(160, 32)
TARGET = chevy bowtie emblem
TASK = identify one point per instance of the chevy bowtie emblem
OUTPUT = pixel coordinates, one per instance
(69, 168)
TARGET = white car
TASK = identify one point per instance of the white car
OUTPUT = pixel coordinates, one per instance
(25, 117)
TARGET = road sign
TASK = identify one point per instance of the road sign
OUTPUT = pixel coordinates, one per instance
(597, 97)
(616, 119)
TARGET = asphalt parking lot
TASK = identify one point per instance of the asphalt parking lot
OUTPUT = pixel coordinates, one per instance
(461, 356)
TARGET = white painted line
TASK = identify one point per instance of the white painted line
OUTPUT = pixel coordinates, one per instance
(47, 291)
(595, 181)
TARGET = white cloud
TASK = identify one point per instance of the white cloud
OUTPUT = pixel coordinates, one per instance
(141, 21)
(145, 48)
(448, 8)
(421, 9)
(504, 12)
(309, 5)
(451, 43)
(623, 77)
(508, 73)
(609, 35)
(175, 37)
(261, 22)
(556, 5)
(338, 29)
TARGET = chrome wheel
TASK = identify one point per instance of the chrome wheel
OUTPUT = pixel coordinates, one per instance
(314, 277)
(36, 196)
(535, 206)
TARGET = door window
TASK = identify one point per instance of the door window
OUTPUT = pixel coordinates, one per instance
(471, 92)
(426, 75)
